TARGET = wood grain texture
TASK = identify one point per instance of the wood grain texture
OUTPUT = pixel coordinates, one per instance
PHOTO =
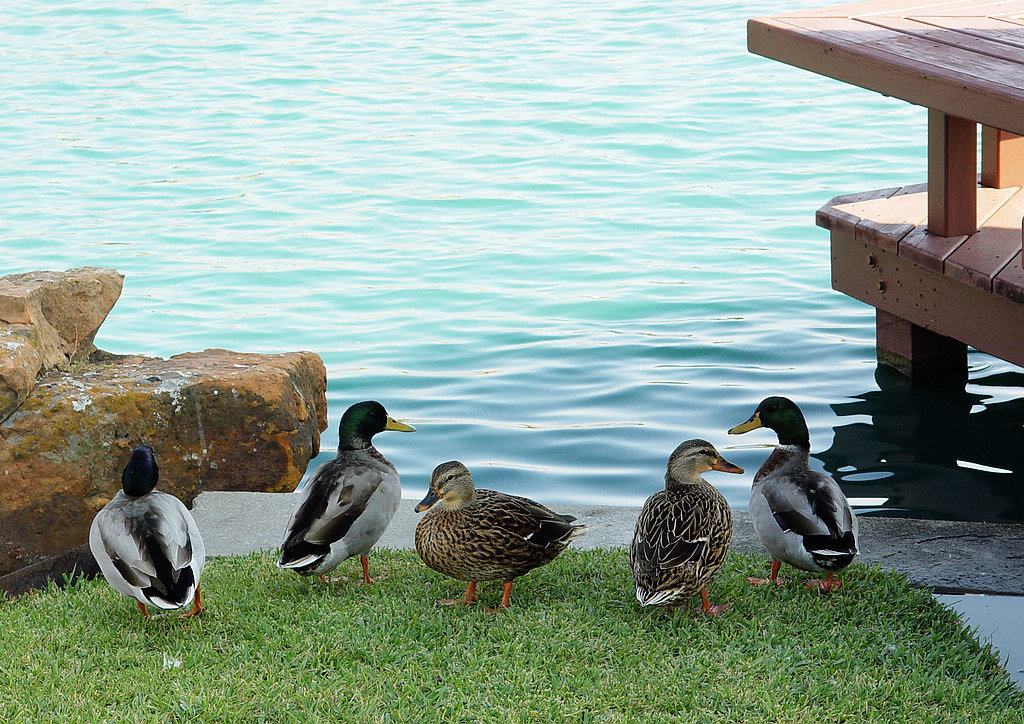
(983, 255)
(964, 59)
(1002, 158)
(952, 174)
(991, 323)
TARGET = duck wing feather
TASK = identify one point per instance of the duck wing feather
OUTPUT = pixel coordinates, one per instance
(332, 502)
(811, 505)
(680, 541)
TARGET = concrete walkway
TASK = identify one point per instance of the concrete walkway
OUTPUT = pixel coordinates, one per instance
(961, 560)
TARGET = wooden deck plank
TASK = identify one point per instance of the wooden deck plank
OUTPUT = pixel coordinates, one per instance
(949, 8)
(989, 44)
(834, 216)
(969, 8)
(979, 259)
(881, 7)
(986, 28)
(1009, 282)
(929, 250)
(884, 221)
(840, 48)
(889, 210)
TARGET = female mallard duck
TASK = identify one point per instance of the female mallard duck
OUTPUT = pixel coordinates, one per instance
(345, 507)
(683, 532)
(146, 543)
(801, 516)
(482, 535)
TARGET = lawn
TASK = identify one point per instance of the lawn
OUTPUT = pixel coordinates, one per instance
(575, 646)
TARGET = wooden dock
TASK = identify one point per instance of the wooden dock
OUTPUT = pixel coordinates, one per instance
(941, 262)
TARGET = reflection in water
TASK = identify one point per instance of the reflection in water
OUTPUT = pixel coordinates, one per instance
(928, 455)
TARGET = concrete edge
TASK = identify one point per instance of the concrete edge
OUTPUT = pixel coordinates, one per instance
(947, 556)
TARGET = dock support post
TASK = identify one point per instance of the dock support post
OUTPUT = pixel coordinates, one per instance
(918, 353)
(952, 175)
(1002, 158)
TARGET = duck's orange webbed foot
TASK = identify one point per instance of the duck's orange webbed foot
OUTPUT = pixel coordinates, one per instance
(773, 577)
(468, 599)
(707, 607)
(829, 584)
(197, 606)
(506, 594)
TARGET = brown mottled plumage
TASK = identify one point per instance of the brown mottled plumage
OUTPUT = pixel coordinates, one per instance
(683, 532)
(483, 535)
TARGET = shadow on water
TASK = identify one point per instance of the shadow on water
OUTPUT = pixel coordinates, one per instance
(933, 452)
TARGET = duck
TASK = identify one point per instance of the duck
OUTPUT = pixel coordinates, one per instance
(683, 532)
(146, 543)
(801, 516)
(484, 535)
(349, 501)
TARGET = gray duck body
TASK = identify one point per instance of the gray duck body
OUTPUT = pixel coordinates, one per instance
(343, 511)
(801, 516)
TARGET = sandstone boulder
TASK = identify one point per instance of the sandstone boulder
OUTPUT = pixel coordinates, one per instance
(70, 414)
(48, 319)
(217, 420)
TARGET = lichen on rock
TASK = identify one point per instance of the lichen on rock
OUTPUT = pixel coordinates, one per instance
(217, 420)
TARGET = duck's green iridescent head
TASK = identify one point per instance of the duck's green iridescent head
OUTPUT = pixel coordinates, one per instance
(141, 474)
(781, 415)
(362, 421)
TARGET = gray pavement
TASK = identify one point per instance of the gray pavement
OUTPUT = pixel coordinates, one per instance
(976, 568)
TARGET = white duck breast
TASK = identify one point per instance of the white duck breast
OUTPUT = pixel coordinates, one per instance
(149, 548)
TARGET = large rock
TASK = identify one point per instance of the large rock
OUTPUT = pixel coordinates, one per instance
(48, 319)
(217, 420)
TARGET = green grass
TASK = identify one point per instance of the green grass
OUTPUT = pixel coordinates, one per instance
(575, 646)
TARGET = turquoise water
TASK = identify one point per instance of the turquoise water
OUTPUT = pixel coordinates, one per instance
(559, 238)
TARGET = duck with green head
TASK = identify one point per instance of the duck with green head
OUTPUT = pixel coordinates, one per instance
(683, 532)
(146, 543)
(800, 515)
(477, 535)
(349, 501)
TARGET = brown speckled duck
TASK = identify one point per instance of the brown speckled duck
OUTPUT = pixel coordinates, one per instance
(683, 532)
(483, 535)
(800, 515)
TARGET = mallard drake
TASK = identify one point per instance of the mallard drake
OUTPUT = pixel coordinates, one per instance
(683, 532)
(800, 515)
(146, 543)
(350, 500)
(483, 535)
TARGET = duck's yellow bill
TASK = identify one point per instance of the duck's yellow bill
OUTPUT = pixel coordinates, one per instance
(393, 424)
(752, 424)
